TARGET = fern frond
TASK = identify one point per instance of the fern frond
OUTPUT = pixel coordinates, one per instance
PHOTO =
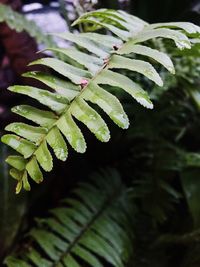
(99, 57)
(85, 229)
(18, 22)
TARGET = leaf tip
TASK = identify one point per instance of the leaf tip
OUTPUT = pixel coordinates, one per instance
(3, 139)
(11, 88)
(18, 187)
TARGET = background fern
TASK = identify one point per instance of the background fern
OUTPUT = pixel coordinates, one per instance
(84, 230)
(97, 66)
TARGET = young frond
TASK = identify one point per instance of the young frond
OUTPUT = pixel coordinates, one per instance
(94, 62)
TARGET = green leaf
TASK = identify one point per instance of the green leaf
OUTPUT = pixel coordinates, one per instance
(62, 87)
(25, 182)
(24, 147)
(57, 142)
(70, 261)
(72, 73)
(37, 259)
(13, 262)
(84, 113)
(145, 68)
(17, 175)
(156, 55)
(48, 242)
(90, 45)
(92, 63)
(72, 133)
(179, 38)
(60, 229)
(55, 102)
(119, 80)
(186, 26)
(192, 159)
(41, 117)
(109, 103)
(19, 186)
(17, 162)
(33, 134)
(122, 34)
(107, 40)
(59, 214)
(106, 16)
(86, 256)
(44, 157)
(99, 246)
(34, 170)
(129, 18)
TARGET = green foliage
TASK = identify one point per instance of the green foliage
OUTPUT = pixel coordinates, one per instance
(84, 229)
(158, 156)
(190, 183)
(80, 84)
(165, 162)
(19, 23)
(12, 207)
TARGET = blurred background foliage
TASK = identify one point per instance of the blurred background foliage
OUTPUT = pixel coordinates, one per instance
(158, 157)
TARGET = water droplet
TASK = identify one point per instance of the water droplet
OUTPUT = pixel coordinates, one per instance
(121, 119)
(20, 110)
(171, 69)
(92, 117)
(183, 44)
(144, 102)
(103, 133)
(61, 153)
(16, 128)
(80, 146)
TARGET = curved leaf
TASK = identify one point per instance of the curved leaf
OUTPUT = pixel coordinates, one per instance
(84, 113)
(161, 57)
(145, 68)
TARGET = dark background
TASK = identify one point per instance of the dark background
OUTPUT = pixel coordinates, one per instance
(152, 10)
